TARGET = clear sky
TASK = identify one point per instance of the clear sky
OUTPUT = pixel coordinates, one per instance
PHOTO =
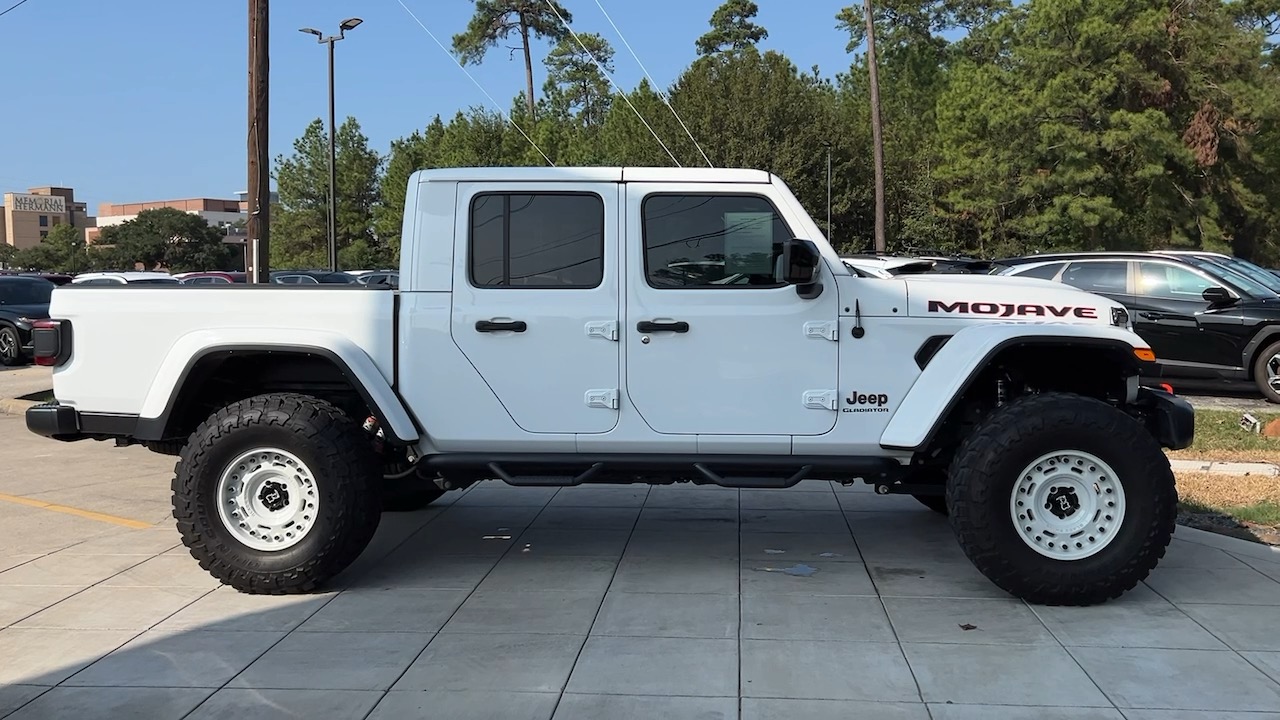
(134, 100)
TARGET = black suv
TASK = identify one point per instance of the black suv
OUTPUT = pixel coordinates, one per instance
(1204, 319)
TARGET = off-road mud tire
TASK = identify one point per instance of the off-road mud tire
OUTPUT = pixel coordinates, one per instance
(345, 470)
(989, 463)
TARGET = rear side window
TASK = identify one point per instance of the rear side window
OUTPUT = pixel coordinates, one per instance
(1105, 277)
(537, 240)
(1044, 272)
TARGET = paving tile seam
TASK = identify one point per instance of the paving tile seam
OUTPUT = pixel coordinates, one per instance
(596, 618)
(1219, 638)
(74, 594)
(453, 614)
(848, 522)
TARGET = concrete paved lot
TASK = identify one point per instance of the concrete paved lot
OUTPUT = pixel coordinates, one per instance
(599, 603)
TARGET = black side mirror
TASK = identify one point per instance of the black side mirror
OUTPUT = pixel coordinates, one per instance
(800, 262)
(1217, 296)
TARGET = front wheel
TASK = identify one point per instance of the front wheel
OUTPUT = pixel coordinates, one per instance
(277, 493)
(1062, 500)
(1266, 372)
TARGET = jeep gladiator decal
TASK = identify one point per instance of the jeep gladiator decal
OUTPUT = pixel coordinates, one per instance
(866, 402)
(1010, 309)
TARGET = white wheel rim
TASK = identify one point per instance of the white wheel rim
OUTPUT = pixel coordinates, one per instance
(267, 499)
(1067, 505)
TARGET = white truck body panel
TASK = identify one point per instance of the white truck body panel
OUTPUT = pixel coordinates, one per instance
(762, 370)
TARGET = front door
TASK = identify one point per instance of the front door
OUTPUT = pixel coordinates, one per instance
(1171, 314)
(714, 344)
(535, 301)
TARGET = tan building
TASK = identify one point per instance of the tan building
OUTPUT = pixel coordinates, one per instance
(28, 217)
(213, 211)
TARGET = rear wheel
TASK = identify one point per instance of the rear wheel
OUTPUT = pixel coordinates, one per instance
(277, 493)
(1062, 500)
(1266, 372)
(10, 346)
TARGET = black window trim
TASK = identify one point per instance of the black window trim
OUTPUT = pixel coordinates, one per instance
(506, 239)
(644, 238)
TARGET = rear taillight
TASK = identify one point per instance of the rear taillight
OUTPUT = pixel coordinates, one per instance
(50, 342)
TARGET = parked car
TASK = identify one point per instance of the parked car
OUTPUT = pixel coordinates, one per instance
(1204, 320)
(380, 277)
(23, 301)
(212, 278)
(55, 278)
(890, 264)
(125, 278)
(312, 277)
(541, 350)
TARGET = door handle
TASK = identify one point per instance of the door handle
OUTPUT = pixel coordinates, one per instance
(491, 326)
(648, 326)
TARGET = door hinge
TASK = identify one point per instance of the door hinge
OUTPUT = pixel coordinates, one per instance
(821, 399)
(607, 399)
(607, 329)
(829, 330)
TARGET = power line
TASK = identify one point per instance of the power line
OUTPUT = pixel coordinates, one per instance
(611, 81)
(477, 84)
(653, 82)
(13, 7)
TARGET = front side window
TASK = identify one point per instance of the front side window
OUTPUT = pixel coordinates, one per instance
(1171, 282)
(1102, 277)
(709, 241)
(537, 240)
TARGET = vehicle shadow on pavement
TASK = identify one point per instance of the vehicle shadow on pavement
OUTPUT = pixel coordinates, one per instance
(631, 601)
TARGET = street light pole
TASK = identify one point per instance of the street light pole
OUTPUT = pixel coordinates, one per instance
(329, 40)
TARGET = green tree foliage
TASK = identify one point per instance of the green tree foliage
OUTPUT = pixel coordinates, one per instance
(163, 238)
(300, 222)
(732, 28)
(495, 20)
(575, 85)
(62, 250)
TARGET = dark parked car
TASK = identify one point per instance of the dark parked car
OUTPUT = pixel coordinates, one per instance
(23, 300)
(1203, 319)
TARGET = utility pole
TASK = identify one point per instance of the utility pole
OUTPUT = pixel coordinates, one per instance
(877, 137)
(258, 226)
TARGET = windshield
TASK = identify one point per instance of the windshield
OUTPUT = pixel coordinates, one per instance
(1260, 275)
(1250, 287)
(25, 292)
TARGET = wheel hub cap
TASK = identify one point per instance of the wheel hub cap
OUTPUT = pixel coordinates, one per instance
(267, 499)
(1273, 372)
(1067, 505)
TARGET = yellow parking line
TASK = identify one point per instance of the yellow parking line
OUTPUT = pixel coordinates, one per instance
(88, 514)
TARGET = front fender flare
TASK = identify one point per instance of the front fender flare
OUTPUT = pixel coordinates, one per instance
(954, 367)
(359, 369)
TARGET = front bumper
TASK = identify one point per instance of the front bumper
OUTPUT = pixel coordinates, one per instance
(1170, 419)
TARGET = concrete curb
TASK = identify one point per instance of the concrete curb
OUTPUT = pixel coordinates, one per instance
(1215, 467)
(15, 407)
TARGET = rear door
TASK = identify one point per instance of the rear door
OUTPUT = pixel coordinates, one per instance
(535, 300)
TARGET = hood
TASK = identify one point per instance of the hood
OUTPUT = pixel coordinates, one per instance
(987, 297)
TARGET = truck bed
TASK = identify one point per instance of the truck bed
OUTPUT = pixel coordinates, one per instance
(130, 344)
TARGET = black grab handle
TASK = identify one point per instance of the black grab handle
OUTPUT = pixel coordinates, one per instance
(491, 326)
(647, 326)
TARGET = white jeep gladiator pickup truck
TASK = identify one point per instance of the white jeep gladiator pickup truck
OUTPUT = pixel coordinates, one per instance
(558, 326)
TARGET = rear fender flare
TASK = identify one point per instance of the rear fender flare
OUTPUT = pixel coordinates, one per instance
(354, 363)
(956, 365)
